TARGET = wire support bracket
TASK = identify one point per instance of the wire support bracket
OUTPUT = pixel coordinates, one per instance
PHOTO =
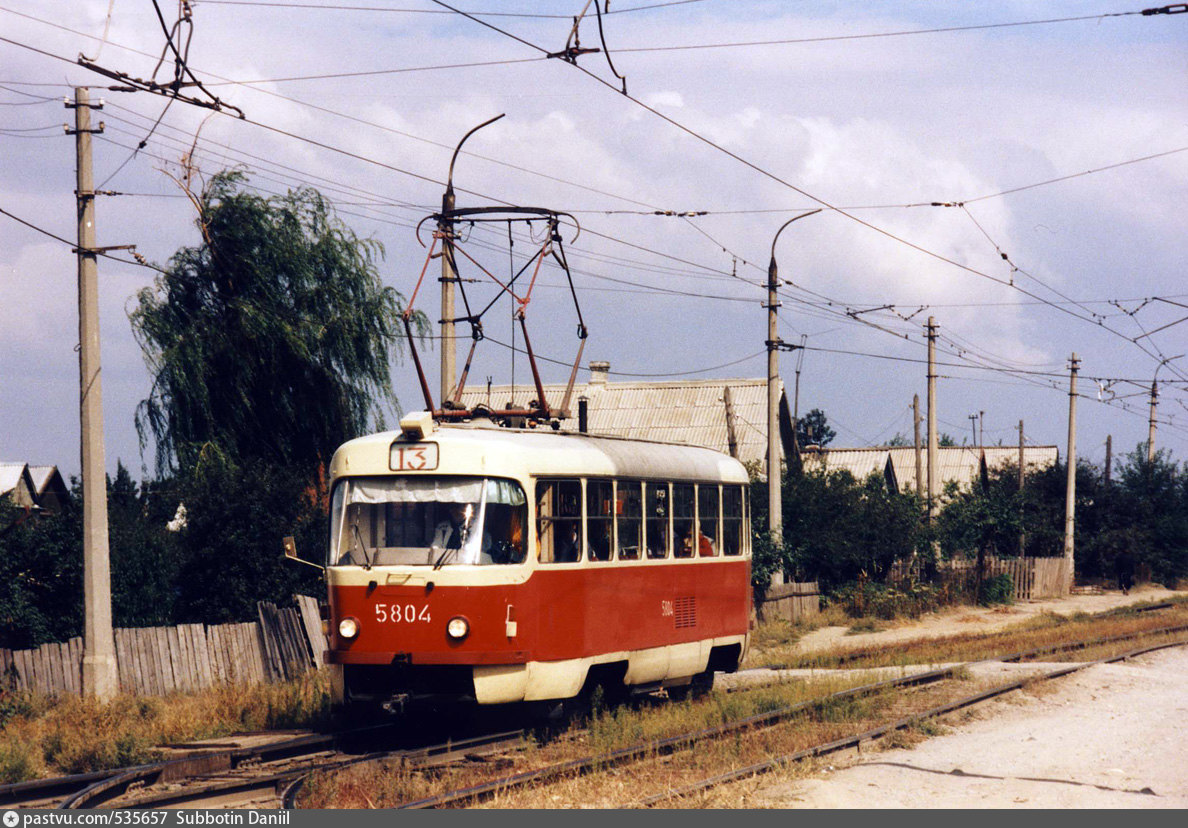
(169, 90)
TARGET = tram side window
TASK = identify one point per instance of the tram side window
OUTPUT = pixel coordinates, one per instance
(559, 520)
(732, 520)
(708, 528)
(599, 500)
(629, 520)
(682, 518)
(657, 510)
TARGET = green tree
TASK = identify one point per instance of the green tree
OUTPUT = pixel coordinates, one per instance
(813, 429)
(41, 569)
(230, 544)
(144, 554)
(834, 528)
(272, 340)
(1155, 503)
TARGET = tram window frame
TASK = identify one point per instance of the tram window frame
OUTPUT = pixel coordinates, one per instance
(599, 503)
(658, 499)
(733, 523)
(684, 509)
(623, 520)
(709, 503)
(549, 491)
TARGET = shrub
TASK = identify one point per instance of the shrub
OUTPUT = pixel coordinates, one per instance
(867, 598)
(997, 590)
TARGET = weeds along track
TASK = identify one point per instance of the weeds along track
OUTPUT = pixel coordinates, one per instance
(691, 762)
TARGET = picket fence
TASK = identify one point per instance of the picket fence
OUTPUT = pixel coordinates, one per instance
(1033, 578)
(154, 661)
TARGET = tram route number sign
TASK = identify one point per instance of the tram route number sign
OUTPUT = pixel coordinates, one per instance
(413, 457)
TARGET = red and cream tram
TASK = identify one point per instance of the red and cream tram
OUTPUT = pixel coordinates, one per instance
(473, 562)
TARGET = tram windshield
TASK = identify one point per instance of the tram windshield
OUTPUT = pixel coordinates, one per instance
(427, 521)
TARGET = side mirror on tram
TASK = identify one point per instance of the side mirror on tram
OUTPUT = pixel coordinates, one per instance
(291, 553)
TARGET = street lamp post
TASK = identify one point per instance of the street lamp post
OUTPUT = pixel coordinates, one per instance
(774, 509)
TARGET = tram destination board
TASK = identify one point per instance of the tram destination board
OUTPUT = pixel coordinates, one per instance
(413, 457)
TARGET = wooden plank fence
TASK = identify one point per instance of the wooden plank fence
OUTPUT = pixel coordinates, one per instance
(155, 661)
(792, 602)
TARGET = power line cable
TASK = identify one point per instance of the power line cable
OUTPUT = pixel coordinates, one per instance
(387, 9)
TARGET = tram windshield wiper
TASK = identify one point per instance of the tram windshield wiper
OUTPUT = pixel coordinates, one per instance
(362, 546)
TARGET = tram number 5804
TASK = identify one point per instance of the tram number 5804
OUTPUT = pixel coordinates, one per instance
(666, 609)
(402, 613)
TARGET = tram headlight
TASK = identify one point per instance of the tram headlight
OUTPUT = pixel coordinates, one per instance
(458, 628)
(348, 628)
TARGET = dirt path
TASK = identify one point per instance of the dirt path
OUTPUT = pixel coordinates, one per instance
(1112, 736)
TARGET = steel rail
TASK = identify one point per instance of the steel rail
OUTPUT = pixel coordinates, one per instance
(672, 744)
(118, 782)
(18, 793)
(878, 732)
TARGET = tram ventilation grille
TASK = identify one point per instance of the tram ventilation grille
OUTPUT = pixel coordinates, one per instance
(685, 612)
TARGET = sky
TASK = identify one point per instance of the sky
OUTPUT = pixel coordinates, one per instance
(1052, 138)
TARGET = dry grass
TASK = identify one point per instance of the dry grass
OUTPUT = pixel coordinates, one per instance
(46, 737)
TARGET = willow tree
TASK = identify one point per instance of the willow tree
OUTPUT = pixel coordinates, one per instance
(272, 340)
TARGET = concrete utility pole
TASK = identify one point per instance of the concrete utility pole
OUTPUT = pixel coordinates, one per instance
(796, 395)
(99, 675)
(449, 277)
(932, 447)
(1151, 422)
(775, 517)
(973, 428)
(1022, 531)
(981, 428)
(1154, 403)
(916, 440)
(1070, 490)
(1109, 457)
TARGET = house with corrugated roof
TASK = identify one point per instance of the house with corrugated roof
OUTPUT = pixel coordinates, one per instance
(49, 487)
(963, 465)
(16, 485)
(729, 415)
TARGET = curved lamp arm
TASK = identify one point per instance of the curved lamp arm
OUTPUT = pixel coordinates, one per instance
(771, 268)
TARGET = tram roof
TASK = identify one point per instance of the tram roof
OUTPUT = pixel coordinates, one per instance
(479, 448)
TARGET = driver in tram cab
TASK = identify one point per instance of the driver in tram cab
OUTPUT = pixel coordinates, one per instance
(453, 532)
(448, 534)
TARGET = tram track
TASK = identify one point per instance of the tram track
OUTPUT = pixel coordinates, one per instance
(686, 743)
(276, 774)
(259, 777)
